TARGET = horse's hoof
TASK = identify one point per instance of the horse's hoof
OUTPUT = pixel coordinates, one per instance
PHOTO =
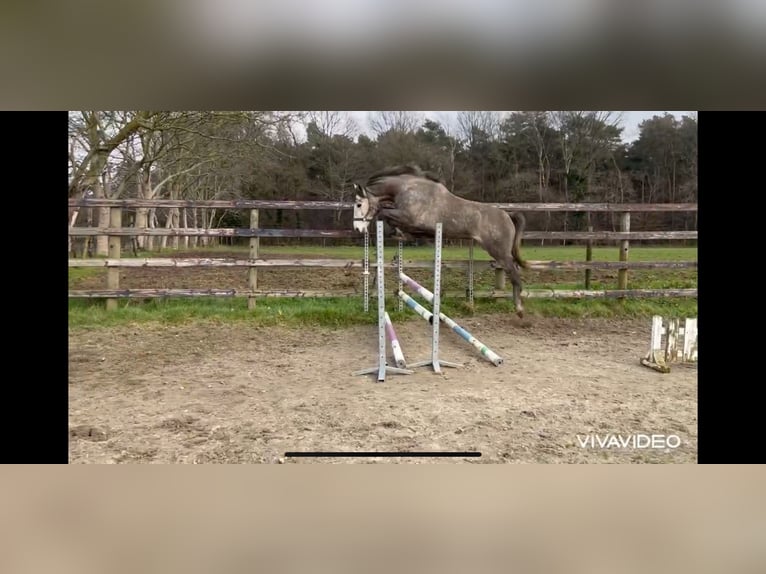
(520, 314)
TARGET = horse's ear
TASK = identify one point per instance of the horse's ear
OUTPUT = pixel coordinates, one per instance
(360, 191)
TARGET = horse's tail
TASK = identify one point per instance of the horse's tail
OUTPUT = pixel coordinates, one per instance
(520, 221)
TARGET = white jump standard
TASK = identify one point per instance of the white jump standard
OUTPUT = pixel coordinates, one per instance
(428, 315)
(679, 344)
(366, 271)
(382, 368)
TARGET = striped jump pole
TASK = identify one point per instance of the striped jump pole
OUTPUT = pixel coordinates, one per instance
(395, 346)
(415, 306)
(428, 296)
(382, 368)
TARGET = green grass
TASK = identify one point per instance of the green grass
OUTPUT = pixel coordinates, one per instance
(327, 312)
(567, 253)
(342, 312)
(79, 273)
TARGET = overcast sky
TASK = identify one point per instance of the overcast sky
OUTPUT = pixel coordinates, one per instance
(630, 120)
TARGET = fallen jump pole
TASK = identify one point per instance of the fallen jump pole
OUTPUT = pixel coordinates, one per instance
(415, 306)
(395, 346)
(428, 296)
(382, 368)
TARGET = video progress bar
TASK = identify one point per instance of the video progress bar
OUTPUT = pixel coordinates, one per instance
(368, 454)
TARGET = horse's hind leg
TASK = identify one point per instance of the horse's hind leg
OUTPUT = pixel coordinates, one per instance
(513, 271)
(506, 261)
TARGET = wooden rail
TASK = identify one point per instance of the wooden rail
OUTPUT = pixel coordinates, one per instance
(527, 293)
(115, 232)
(341, 233)
(214, 232)
(292, 205)
(357, 263)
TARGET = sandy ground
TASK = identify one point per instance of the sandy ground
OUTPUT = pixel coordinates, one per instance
(210, 393)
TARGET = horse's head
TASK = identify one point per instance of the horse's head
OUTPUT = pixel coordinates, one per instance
(364, 209)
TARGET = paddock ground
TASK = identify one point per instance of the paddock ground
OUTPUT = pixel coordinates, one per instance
(230, 393)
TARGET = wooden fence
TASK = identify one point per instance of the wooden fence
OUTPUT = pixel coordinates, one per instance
(115, 232)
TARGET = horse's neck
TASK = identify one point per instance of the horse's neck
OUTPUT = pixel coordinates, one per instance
(386, 189)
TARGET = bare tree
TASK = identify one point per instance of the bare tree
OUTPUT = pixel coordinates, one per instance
(334, 123)
(469, 122)
(332, 160)
(479, 131)
(536, 130)
(396, 121)
(584, 137)
(99, 134)
(450, 127)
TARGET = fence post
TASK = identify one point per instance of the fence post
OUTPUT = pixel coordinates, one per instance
(113, 273)
(622, 274)
(252, 274)
(588, 257)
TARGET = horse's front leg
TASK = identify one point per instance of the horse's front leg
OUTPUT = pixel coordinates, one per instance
(394, 217)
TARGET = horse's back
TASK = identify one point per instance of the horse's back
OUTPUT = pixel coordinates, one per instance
(402, 170)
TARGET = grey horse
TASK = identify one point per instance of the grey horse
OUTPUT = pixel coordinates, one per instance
(413, 202)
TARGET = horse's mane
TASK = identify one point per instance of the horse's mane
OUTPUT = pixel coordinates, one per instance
(408, 169)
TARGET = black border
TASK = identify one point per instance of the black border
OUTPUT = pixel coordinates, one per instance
(729, 372)
(35, 382)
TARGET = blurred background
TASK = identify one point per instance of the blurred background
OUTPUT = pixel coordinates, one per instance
(224, 53)
(313, 518)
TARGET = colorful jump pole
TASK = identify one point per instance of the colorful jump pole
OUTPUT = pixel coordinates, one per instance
(428, 296)
(395, 347)
(415, 306)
